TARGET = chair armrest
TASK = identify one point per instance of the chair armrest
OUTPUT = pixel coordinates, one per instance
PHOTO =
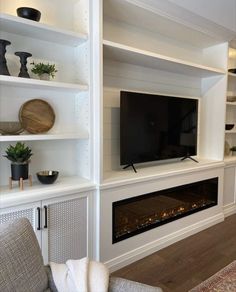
(124, 285)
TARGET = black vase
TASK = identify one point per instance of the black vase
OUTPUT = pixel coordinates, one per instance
(23, 60)
(3, 61)
(19, 171)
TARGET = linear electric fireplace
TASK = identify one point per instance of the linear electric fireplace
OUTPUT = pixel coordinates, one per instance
(138, 214)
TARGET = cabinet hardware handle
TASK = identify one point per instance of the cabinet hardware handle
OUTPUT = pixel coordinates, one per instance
(46, 217)
(39, 226)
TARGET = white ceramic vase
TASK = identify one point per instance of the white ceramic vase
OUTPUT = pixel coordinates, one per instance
(44, 76)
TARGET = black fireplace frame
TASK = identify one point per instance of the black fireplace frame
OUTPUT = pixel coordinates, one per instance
(168, 220)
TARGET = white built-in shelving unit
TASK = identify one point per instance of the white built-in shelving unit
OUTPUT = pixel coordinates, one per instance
(161, 54)
(99, 48)
(66, 208)
(60, 38)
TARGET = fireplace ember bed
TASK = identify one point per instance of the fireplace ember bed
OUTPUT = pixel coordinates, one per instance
(139, 214)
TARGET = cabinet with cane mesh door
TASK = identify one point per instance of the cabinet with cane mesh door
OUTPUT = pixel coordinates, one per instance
(61, 225)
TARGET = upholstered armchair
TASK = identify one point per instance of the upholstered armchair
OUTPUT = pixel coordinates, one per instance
(22, 269)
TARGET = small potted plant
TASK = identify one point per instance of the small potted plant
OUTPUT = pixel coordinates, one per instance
(233, 149)
(19, 155)
(44, 71)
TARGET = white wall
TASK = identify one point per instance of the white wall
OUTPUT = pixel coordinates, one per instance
(223, 12)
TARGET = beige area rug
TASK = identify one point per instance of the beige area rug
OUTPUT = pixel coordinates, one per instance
(222, 281)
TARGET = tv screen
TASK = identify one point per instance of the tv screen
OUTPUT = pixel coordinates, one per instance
(156, 127)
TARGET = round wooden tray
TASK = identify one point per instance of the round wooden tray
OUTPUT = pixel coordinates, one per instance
(36, 116)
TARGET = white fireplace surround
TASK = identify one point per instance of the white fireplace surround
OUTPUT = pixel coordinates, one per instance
(129, 250)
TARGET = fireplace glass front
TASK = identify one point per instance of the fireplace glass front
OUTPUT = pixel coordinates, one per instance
(138, 214)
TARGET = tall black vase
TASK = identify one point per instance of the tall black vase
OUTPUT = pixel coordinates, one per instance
(3, 61)
(23, 60)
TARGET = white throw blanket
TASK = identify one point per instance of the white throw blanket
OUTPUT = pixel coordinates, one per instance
(80, 276)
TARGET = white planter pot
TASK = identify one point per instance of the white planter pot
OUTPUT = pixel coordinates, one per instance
(44, 76)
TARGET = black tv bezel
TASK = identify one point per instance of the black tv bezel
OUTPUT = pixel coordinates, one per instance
(130, 163)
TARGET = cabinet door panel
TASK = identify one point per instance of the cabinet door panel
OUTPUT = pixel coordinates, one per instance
(24, 211)
(66, 233)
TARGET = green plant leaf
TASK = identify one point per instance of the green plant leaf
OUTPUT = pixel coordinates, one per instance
(41, 68)
(18, 153)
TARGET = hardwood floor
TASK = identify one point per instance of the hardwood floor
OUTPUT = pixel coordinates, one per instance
(187, 263)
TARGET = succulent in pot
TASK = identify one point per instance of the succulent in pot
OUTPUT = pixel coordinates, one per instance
(44, 71)
(19, 155)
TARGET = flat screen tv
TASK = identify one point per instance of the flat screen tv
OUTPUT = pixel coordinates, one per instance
(156, 127)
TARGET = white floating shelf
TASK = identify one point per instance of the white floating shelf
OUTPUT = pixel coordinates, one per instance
(43, 137)
(230, 103)
(126, 54)
(232, 74)
(62, 186)
(37, 30)
(230, 159)
(169, 19)
(230, 132)
(41, 84)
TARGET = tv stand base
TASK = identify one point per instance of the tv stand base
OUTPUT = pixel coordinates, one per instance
(189, 157)
(131, 166)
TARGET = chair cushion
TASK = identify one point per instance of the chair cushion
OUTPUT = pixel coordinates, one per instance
(21, 262)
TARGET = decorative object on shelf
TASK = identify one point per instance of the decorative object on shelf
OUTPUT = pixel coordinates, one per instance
(47, 176)
(29, 13)
(3, 61)
(23, 60)
(10, 128)
(227, 149)
(231, 98)
(44, 71)
(36, 116)
(233, 70)
(229, 127)
(233, 149)
(19, 155)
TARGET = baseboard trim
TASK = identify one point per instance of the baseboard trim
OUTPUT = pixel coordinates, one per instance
(145, 250)
(229, 209)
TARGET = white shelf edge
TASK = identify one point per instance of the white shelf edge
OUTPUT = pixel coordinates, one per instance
(14, 24)
(41, 84)
(230, 160)
(230, 103)
(230, 131)
(126, 177)
(43, 137)
(38, 191)
(130, 49)
(232, 74)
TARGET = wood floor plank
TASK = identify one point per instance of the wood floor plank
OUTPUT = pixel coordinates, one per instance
(188, 262)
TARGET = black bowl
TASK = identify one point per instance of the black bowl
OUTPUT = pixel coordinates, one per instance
(29, 13)
(233, 70)
(47, 176)
(229, 126)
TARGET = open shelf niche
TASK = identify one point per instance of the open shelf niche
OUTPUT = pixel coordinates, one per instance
(155, 56)
(230, 135)
(62, 39)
